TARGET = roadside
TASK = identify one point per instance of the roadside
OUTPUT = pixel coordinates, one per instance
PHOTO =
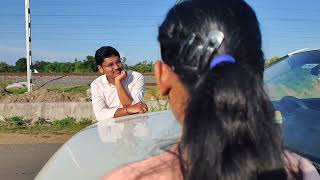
(59, 94)
(14, 138)
(24, 161)
(27, 144)
(24, 148)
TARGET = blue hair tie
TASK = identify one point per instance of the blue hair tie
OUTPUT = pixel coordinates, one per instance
(222, 59)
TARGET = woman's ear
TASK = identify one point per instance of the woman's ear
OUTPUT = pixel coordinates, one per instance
(100, 69)
(165, 77)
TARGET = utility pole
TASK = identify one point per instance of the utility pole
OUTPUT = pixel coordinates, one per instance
(28, 45)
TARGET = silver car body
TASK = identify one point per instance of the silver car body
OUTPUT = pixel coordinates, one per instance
(112, 143)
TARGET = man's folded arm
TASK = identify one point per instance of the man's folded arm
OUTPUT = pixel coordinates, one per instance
(101, 111)
(124, 97)
(138, 90)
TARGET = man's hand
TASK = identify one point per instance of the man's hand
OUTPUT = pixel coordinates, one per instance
(138, 108)
(122, 76)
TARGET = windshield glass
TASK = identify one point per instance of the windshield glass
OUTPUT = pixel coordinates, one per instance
(293, 85)
(296, 75)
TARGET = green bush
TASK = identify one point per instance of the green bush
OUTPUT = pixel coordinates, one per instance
(15, 121)
(66, 122)
(67, 125)
(16, 91)
(85, 122)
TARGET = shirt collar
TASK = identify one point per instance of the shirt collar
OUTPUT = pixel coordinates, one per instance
(106, 83)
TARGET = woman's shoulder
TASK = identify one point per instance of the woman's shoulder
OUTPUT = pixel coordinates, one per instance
(298, 165)
(161, 167)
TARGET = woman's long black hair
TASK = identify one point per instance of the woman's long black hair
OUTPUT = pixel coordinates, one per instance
(229, 130)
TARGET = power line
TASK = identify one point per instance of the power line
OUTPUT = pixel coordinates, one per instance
(288, 9)
(87, 15)
(116, 17)
(291, 19)
(93, 27)
(42, 30)
(97, 3)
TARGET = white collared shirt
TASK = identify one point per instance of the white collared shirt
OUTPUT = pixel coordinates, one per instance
(104, 95)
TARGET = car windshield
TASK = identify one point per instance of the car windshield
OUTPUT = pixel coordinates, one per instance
(296, 76)
(293, 85)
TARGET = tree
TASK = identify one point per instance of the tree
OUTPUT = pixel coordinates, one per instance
(40, 66)
(272, 60)
(90, 64)
(5, 68)
(142, 67)
(21, 65)
(51, 67)
(78, 67)
(66, 67)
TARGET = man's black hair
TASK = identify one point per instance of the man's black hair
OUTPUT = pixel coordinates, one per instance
(105, 52)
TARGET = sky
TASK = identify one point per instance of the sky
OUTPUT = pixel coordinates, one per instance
(63, 30)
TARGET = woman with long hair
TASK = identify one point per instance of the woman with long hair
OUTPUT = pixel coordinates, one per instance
(212, 72)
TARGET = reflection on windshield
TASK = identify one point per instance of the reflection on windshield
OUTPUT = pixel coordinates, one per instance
(298, 82)
(294, 76)
(293, 85)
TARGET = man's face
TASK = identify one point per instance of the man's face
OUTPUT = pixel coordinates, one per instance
(111, 67)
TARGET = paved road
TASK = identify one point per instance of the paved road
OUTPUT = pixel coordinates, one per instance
(24, 161)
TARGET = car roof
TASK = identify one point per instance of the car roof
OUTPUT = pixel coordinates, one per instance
(304, 50)
(112, 143)
(301, 51)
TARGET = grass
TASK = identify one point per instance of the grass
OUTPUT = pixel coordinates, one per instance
(66, 126)
(14, 91)
(5, 83)
(159, 108)
(152, 93)
(17, 91)
(72, 90)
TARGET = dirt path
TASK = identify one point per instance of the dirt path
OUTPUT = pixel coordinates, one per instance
(22, 155)
(32, 139)
(24, 161)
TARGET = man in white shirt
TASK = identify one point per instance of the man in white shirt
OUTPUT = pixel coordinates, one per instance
(117, 92)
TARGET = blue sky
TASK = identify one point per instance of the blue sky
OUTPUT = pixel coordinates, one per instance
(63, 30)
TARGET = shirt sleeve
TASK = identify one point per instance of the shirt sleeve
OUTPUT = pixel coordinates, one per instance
(138, 89)
(99, 106)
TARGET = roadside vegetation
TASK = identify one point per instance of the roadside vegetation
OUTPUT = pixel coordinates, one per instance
(16, 91)
(82, 66)
(66, 126)
(72, 90)
(87, 65)
(162, 107)
(151, 92)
